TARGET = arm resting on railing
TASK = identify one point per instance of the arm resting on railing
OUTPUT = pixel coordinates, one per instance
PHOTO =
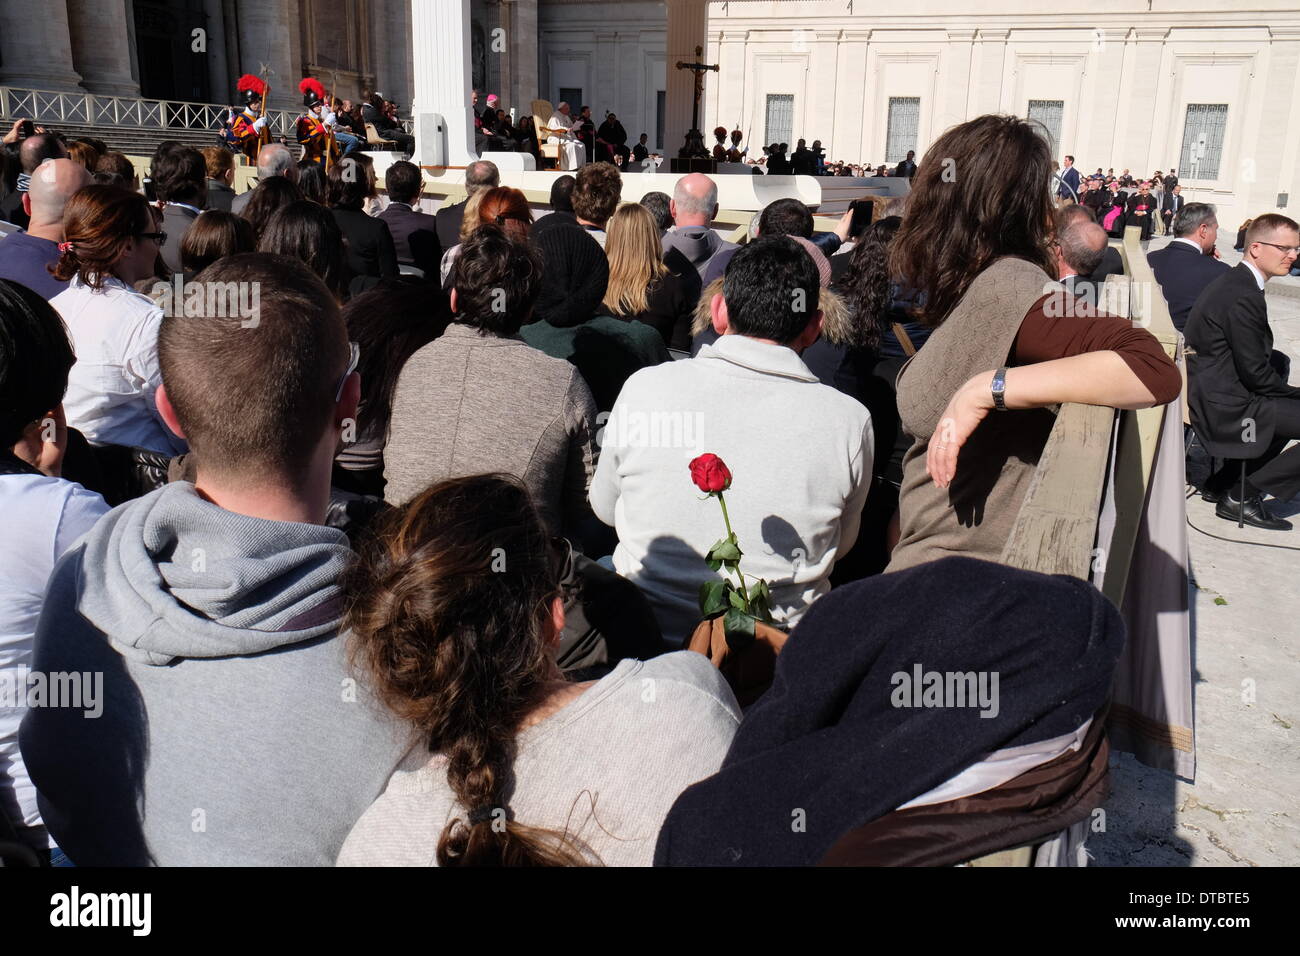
(1094, 378)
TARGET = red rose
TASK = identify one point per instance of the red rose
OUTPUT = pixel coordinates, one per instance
(710, 474)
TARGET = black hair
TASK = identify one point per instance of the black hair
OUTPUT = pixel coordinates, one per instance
(35, 358)
(771, 288)
(179, 174)
(497, 280)
(786, 217)
(562, 193)
(311, 181)
(657, 203)
(308, 231)
(390, 322)
(403, 181)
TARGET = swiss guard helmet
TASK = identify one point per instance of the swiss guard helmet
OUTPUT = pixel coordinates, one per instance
(251, 89)
(312, 92)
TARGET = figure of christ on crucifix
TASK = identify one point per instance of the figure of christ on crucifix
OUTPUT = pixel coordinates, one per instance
(694, 147)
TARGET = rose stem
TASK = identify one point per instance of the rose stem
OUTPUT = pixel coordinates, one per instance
(732, 535)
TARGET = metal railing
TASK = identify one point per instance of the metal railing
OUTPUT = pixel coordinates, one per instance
(49, 107)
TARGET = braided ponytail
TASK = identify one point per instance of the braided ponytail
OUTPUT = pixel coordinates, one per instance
(448, 611)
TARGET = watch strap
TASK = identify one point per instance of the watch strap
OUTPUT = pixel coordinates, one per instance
(999, 389)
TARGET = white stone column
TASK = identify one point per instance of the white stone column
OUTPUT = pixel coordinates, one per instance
(687, 22)
(440, 45)
(36, 49)
(101, 47)
(265, 27)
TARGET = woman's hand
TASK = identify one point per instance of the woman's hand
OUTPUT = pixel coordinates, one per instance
(43, 443)
(966, 409)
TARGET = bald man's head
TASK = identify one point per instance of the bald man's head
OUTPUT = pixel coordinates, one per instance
(695, 200)
(54, 181)
(1083, 245)
(37, 149)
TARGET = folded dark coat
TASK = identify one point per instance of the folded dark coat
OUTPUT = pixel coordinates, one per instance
(839, 739)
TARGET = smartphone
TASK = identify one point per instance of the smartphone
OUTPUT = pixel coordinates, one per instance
(862, 210)
(26, 128)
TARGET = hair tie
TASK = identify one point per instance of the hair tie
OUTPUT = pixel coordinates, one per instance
(484, 814)
(65, 247)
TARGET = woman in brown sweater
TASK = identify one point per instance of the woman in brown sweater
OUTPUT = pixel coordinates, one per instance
(976, 244)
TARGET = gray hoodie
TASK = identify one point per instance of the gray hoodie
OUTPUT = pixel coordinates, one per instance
(698, 244)
(230, 731)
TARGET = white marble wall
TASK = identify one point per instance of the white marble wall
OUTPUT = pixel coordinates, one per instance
(1125, 75)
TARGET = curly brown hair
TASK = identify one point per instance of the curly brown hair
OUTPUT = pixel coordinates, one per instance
(448, 608)
(596, 192)
(981, 193)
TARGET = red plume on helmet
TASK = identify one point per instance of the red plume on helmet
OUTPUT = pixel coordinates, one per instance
(311, 90)
(248, 83)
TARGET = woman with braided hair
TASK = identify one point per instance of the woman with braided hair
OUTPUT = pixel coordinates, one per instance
(455, 610)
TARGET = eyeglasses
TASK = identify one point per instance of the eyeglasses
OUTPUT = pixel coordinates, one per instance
(158, 237)
(353, 361)
(1295, 250)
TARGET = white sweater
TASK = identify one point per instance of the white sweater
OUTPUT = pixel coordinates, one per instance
(800, 454)
(605, 769)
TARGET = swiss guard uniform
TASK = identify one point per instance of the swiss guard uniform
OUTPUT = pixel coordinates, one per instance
(314, 125)
(248, 130)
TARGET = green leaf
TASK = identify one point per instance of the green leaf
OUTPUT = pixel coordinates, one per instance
(739, 629)
(713, 597)
(737, 601)
(714, 564)
(725, 551)
(1220, 600)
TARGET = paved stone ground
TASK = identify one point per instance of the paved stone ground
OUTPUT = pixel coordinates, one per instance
(1243, 809)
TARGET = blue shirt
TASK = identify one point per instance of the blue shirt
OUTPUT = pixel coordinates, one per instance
(23, 259)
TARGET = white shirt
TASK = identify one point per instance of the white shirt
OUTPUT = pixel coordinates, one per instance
(111, 387)
(800, 454)
(43, 518)
(1193, 244)
(1259, 276)
(605, 769)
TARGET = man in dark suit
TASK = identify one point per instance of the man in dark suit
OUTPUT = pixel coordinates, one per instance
(1171, 205)
(1069, 187)
(480, 174)
(179, 175)
(1141, 210)
(1237, 389)
(415, 233)
(640, 151)
(907, 167)
(1171, 181)
(1187, 265)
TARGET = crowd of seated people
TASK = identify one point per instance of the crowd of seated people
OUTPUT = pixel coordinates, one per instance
(418, 469)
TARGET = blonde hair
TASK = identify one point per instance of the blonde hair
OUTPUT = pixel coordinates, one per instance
(635, 259)
(470, 222)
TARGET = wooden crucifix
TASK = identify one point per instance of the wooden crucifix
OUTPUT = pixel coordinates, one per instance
(694, 146)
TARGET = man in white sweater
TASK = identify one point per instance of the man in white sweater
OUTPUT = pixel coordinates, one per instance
(800, 452)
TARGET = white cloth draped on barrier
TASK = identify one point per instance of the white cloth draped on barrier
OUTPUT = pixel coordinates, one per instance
(1151, 714)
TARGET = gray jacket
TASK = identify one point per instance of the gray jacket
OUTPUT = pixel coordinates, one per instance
(698, 244)
(229, 729)
(467, 404)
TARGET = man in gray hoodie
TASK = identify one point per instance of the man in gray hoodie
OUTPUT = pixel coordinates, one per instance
(230, 730)
(693, 207)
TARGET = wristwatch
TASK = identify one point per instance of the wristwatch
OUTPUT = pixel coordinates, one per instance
(1000, 389)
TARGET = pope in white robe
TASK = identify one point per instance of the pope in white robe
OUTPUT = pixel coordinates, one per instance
(572, 152)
